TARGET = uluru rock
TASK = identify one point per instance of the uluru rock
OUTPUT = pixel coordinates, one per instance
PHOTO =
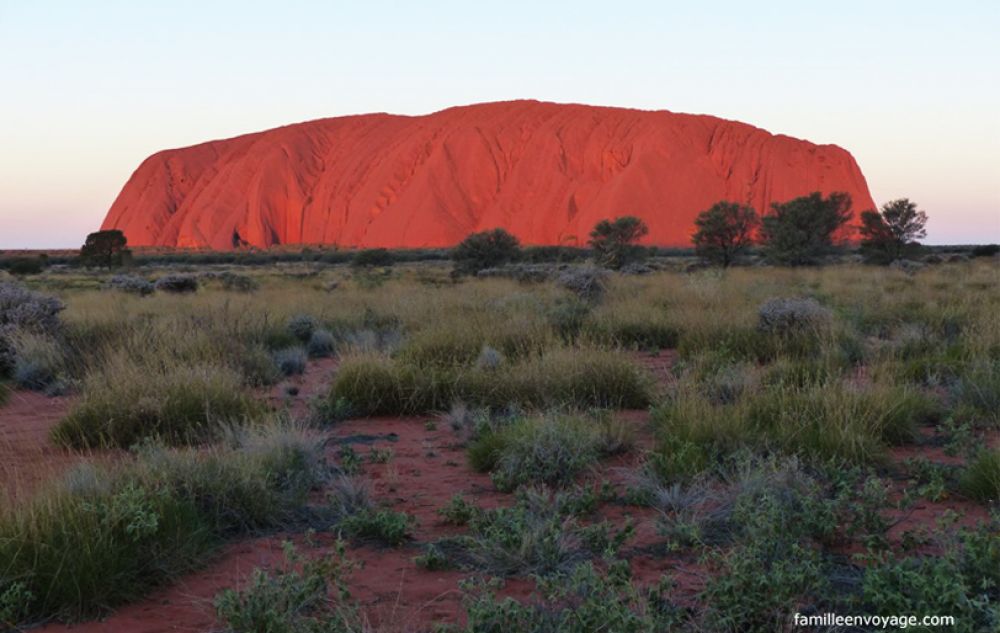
(546, 172)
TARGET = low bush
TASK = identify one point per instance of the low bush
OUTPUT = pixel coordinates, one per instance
(290, 361)
(123, 403)
(384, 526)
(177, 284)
(29, 310)
(759, 585)
(321, 344)
(586, 282)
(106, 535)
(538, 535)
(235, 282)
(24, 311)
(961, 582)
(985, 250)
(307, 595)
(791, 316)
(583, 601)
(301, 326)
(458, 511)
(26, 265)
(130, 284)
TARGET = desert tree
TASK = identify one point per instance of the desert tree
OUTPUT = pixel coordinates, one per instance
(724, 231)
(802, 231)
(615, 242)
(104, 248)
(892, 232)
(487, 249)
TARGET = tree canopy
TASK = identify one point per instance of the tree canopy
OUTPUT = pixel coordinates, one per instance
(104, 248)
(801, 231)
(724, 231)
(487, 249)
(615, 241)
(892, 232)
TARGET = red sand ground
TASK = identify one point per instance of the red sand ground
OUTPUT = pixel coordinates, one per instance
(425, 471)
(27, 456)
(546, 172)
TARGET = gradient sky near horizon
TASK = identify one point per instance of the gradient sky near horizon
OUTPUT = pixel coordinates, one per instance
(89, 89)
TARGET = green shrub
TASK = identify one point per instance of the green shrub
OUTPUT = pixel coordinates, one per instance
(582, 601)
(537, 535)
(106, 535)
(758, 586)
(458, 511)
(928, 585)
(304, 595)
(384, 526)
(124, 403)
(432, 559)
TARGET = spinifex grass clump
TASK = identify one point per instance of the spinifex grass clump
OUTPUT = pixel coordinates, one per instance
(823, 420)
(105, 535)
(125, 402)
(981, 479)
(376, 385)
(551, 449)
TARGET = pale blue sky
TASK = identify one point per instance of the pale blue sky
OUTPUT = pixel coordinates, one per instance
(89, 89)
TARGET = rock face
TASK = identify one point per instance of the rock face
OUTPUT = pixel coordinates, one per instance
(546, 172)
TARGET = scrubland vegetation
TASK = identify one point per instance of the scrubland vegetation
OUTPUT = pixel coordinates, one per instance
(767, 461)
